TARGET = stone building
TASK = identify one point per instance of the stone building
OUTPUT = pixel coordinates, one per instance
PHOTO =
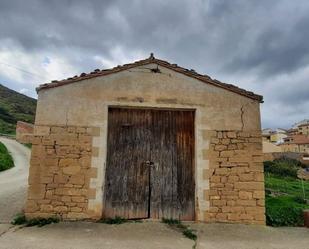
(146, 140)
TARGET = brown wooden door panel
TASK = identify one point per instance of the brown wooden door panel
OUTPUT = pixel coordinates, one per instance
(162, 188)
(172, 177)
(127, 176)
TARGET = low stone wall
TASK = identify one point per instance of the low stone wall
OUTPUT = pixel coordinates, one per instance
(291, 155)
(236, 178)
(23, 128)
(60, 172)
(268, 157)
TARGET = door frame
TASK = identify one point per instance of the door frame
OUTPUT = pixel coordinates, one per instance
(194, 161)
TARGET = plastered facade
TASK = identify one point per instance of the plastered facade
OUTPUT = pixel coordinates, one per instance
(85, 104)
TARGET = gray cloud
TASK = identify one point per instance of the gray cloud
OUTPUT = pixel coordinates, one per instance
(259, 45)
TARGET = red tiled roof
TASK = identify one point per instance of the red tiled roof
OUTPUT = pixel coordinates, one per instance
(298, 139)
(301, 125)
(151, 59)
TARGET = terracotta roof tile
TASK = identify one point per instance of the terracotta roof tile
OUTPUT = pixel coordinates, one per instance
(302, 125)
(151, 59)
(298, 139)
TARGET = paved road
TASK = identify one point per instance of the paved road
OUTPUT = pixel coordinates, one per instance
(13, 182)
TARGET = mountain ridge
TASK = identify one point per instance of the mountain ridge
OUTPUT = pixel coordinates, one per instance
(15, 106)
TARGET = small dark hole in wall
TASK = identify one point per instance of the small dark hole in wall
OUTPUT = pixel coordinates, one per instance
(155, 70)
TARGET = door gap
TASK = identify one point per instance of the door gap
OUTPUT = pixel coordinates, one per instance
(149, 194)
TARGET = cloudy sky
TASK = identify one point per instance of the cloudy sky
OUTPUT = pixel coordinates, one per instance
(261, 46)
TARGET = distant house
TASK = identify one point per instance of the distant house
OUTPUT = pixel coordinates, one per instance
(278, 135)
(296, 125)
(270, 147)
(296, 143)
(274, 136)
(266, 134)
(303, 129)
(292, 131)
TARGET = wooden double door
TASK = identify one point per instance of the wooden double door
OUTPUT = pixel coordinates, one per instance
(150, 164)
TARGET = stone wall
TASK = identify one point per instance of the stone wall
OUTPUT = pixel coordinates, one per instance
(291, 155)
(60, 172)
(236, 177)
(62, 167)
(86, 104)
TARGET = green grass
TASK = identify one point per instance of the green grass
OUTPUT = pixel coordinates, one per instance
(6, 160)
(117, 220)
(286, 198)
(190, 234)
(287, 185)
(20, 219)
(285, 201)
(171, 221)
(186, 230)
(284, 211)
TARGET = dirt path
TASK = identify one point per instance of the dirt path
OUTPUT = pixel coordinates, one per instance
(13, 182)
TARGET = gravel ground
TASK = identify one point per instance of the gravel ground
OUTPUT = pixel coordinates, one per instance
(151, 235)
(13, 182)
(232, 236)
(86, 235)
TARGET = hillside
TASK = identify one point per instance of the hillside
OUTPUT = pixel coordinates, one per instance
(13, 107)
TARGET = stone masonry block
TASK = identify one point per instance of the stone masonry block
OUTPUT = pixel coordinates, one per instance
(36, 191)
(41, 130)
(71, 170)
(249, 185)
(95, 131)
(207, 134)
(95, 151)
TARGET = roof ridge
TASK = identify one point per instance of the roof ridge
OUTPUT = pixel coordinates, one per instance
(189, 72)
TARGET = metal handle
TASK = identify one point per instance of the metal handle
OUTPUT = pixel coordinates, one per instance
(149, 163)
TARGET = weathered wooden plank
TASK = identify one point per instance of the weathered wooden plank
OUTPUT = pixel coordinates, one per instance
(173, 151)
(127, 178)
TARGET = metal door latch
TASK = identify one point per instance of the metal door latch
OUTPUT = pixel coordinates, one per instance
(149, 163)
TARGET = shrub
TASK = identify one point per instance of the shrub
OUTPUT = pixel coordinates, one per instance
(290, 161)
(20, 219)
(283, 211)
(186, 231)
(284, 216)
(171, 221)
(282, 167)
(299, 200)
(117, 220)
(41, 221)
(6, 160)
(190, 234)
